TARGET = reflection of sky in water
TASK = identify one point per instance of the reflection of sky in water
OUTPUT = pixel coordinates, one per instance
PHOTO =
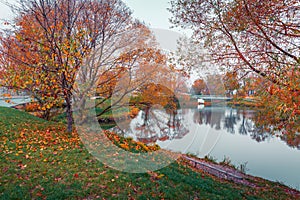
(228, 132)
(14, 102)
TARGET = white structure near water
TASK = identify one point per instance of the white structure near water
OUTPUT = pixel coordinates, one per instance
(201, 101)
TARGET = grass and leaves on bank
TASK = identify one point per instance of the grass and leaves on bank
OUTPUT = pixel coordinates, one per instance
(40, 160)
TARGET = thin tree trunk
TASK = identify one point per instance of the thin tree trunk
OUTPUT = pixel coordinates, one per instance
(46, 114)
(69, 113)
(147, 109)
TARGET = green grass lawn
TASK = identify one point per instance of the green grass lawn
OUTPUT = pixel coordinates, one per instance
(40, 161)
(107, 116)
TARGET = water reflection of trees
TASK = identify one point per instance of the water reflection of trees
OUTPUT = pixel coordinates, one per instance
(155, 125)
(208, 117)
(215, 118)
(242, 121)
(286, 130)
(230, 121)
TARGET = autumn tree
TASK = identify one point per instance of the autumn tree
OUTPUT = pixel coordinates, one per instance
(149, 80)
(199, 87)
(139, 67)
(18, 54)
(165, 88)
(249, 36)
(260, 36)
(231, 82)
(122, 55)
(156, 94)
(45, 50)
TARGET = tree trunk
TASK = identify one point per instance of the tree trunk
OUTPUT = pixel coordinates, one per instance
(69, 113)
(46, 114)
(147, 109)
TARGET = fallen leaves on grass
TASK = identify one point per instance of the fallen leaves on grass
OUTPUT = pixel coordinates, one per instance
(30, 140)
(129, 144)
(155, 176)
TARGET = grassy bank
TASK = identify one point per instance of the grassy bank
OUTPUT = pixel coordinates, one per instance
(40, 161)
(245, 102)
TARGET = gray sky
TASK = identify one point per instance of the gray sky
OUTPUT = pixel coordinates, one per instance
(152, 12)
(5, 12)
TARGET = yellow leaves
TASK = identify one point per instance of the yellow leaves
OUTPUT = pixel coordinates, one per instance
(160, 176)
(29, 82)
(129, 144)
(134, 112)
(155, 176)
(22, 134)
(124, 146)
(144, 147)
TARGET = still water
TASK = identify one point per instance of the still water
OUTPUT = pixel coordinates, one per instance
(14, 101)
(219, 132)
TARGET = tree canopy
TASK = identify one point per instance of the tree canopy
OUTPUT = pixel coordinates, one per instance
(251, 36)
(51, 40)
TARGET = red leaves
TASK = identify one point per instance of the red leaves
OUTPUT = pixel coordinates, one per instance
(21, 166)
(5, 169)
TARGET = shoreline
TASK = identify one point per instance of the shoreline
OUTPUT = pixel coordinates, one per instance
(229, 173)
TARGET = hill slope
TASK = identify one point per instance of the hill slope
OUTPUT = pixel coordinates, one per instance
(39, 160)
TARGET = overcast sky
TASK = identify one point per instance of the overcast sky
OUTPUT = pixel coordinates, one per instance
(153, 12)
(5, 12)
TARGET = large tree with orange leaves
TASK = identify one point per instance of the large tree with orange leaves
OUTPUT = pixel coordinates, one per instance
(199, 87)
(51, 39)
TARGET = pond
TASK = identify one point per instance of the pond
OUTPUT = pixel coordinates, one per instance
(219, 132)
(10, 102)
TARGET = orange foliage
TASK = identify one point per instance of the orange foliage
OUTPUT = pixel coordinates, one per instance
(129, 144)
(31, 107)
(199, 87)
(134, 111)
